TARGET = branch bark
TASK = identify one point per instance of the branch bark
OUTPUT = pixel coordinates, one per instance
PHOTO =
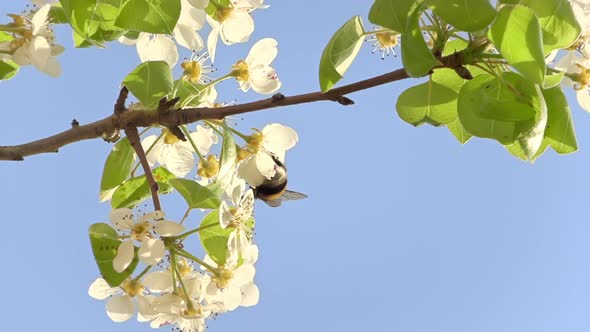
(111, 125)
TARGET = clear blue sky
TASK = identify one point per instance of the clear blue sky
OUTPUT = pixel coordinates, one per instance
(404, 229)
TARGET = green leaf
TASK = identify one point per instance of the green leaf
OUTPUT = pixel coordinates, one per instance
(116, 168)
(136, 190)
(456, 128)
(196, 195)
(428, 102)
(150, 82)
(516, 32)
(558, 22)
(191, 95)
(4, 37)
(214, 238)
(340, 52)
(104, 241)
(392, 14)
(58, 15)
(416, 56)
(472, 15)
(92, 20)
(553, 80)
(560, 133)
(154, 16)
(483, 101)
(8, 69)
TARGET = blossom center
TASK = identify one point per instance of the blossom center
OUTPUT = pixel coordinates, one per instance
(222, 277)
(208, 168)
(140, 230)
(240, 71)
(170, 138)
(583, 78)
(192, 70)
(223, 14)
(386, 39)
(132, 287)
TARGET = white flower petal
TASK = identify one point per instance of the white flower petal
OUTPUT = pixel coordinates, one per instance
(180, 159)
(159, 281)
(187, 37)
(248, 171)
(277, 138)
(40, 52)
(168, 228)
(237, 28)
(152, 251)
(192, 16)
(145, 309)
(212, 38)
(204, 139)
(265, 165)
(100, 289)
(250, 255)
(120, 308)
(264, 80)
(157, 48)
(262, 53)
(52, 67)
(243, 274)
(127, 41)
(250, 295)
(39, 19)
(155, 149)
(124, 257)
(122, 218)
(225, 215)
(232, 297)
(583, 99)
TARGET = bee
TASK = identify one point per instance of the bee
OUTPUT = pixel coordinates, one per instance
(274, 191)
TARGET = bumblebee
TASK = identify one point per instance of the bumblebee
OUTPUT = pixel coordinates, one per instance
(274, 191)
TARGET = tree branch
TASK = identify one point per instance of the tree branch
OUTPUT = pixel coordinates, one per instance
(110, 126)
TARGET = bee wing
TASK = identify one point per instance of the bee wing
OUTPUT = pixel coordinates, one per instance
(289, 195)
(274, 202)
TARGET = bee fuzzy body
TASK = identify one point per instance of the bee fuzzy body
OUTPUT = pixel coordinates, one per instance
(274, 191)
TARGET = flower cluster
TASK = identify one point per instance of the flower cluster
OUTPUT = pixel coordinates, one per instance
(175, 286)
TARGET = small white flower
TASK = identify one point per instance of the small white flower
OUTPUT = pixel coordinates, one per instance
(274, 140)
(120, 306)
(255, 72)
(35, 45)
(233, 285)
(237, 217)
(234, 24)
(579, 70)
(384, 41)
(152, 249)
(176, 155)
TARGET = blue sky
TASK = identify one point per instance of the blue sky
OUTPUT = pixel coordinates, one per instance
(404, 229)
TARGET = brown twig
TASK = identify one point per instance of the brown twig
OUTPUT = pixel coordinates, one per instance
(170, 119)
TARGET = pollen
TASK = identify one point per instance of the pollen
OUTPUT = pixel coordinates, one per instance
(208, 168)
(223, 14)
(132, 287)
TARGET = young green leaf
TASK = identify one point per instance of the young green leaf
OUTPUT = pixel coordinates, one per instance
(116, 168)
(558, 22)
(154, 16)
(456, 128)
(560, 133)
(392, 14)
(516, 33)
(214, 238)
(227, 158)
(136, 190)
(150, 82)
(196, 195)
(91, 19)
(471, 16)
(340, 52)
(482, 106)
(105, 242)
(8, 69)
(428, 102)
(416, 56)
